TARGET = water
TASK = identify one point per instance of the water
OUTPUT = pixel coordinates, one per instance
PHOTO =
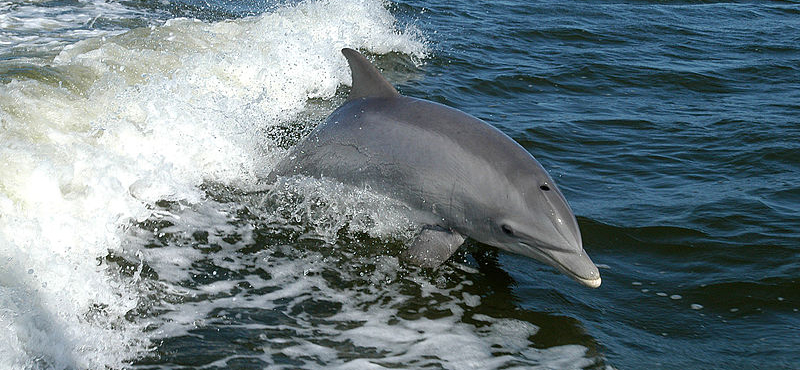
(134, 232)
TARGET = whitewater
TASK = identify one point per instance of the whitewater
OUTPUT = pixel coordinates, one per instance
(114, 121)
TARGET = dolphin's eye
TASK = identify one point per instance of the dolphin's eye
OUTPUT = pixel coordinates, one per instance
(544, 187)
(507, 230)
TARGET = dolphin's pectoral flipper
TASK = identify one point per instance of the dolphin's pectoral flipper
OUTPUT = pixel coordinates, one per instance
(433, 246)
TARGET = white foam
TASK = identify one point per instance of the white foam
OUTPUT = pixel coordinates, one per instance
(147, 115)
(368, 319)
(330, 207)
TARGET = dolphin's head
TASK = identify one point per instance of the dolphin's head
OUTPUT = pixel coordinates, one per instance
(533, 219)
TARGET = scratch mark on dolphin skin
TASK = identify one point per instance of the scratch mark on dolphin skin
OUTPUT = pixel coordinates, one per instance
(452, 190)
(356, 148)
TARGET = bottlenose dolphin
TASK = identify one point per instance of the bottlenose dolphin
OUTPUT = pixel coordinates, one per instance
(461, 176)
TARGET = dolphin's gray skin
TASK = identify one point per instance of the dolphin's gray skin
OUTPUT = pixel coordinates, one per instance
(463, 177)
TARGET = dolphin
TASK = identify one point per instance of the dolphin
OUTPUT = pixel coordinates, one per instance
(461, 176)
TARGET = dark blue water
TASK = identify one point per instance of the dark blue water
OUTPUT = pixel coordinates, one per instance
(671, 128)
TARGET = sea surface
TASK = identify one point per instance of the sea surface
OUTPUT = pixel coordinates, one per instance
(136, 232)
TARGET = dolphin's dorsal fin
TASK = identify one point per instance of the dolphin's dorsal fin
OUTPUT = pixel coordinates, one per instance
(367, 80)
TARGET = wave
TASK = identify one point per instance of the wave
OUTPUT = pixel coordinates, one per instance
(92, 140)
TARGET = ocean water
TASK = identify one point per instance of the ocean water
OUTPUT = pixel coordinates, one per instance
(135, 232)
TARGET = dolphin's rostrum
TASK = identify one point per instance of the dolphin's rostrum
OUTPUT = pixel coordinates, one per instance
(463, 177)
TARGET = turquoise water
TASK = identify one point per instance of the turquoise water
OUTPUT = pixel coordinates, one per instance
(135, 233)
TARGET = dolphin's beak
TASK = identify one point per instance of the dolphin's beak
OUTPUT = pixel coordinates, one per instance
(575, 265)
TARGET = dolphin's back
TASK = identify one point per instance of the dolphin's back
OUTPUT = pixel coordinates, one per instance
(407, 148)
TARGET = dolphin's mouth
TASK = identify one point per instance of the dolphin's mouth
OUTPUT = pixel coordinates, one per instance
(578, 266)
(593, 283)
